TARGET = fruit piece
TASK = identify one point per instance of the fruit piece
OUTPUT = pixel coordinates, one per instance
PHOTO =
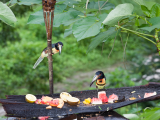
(104, 99)
(149, 94)
(49, 107)
(85, 102)
(61, 103)
(30, 98)
(96, 101)
(73, 100)
(45, 99)
(38, 101)
(43, 118)
(54, 102)
(132, 98)
(88, 100)
(102, 96)
(64, 96)
(112, 98)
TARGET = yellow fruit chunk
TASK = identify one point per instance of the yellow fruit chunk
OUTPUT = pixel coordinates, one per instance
(30, 98)
(85, 102)
(132, 98)
(88, 100)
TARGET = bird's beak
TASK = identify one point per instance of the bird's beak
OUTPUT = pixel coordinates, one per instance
(60, 49)
(94, 79)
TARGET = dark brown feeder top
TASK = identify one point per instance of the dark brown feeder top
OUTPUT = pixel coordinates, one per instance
(48, 5)
(16, 106)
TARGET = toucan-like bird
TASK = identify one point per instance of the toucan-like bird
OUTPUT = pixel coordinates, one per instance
(56, 47)
(100, 80)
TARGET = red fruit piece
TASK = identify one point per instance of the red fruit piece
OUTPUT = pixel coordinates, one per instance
(96, 101)
(43, 118)
(105, 99)
(112, 98)
(38, 101)
(54, 102)
(149, 94)
(102, 96)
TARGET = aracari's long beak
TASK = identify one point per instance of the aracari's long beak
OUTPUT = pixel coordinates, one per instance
(60, 49)
(94, 79)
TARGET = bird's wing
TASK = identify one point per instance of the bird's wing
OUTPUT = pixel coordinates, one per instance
(53, 45)
(38, 61)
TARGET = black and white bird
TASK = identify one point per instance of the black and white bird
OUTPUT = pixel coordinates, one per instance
(56, 47)
(100, 80)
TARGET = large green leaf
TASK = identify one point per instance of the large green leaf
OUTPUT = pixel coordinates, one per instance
(71, 16)
(87, 27)
(66, 2)
(151, 114)
(145, 10)
(6, 14)
(26, 2)
(118, 13)
(155, 24)
(103, 36)
(148, 4)
(155, 11)
(36, 18)
(71, 21)
(96, 5)
(67, 32)
(60, 18)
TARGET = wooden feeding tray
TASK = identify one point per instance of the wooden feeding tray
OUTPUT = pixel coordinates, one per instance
(110, 115)
(16, 106)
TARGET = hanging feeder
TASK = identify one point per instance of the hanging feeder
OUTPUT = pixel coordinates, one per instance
(48, 13)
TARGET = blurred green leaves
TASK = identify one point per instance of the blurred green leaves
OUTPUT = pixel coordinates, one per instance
(6, 14)
(95, 5)
(154, 12)
(151, 113)
(83, 25)
(119, 78)
(60, 16)
(103, 36)
(155, 24)
(26, 2)
(145, 10)
(145, 3)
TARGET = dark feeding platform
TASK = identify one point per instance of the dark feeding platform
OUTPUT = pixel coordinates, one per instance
(16, 106)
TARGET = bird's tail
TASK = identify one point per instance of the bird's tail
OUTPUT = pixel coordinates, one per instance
(37, 62)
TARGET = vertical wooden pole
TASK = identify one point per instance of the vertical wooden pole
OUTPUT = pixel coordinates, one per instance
(48, 13)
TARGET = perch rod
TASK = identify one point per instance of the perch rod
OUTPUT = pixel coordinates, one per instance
(48, 13)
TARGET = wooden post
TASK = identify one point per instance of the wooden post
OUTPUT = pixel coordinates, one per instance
(48, 13)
